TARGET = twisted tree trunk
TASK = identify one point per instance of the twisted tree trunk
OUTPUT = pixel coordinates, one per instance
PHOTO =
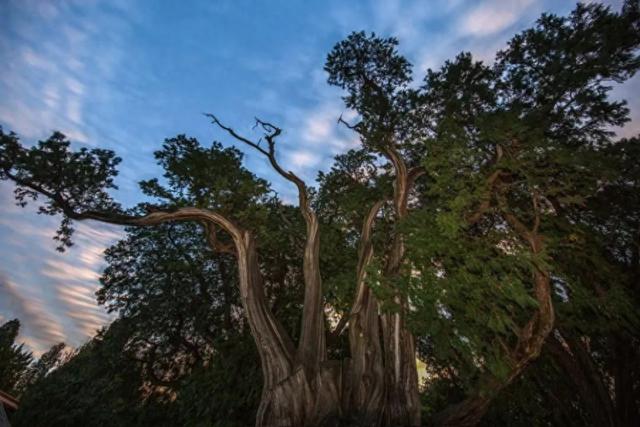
(401, 375)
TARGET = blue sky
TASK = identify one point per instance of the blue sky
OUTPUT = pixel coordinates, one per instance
(125, 75)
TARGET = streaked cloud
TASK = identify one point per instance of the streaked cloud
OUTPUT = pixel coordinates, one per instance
(52, 294)
(63, 270)
(38, 328)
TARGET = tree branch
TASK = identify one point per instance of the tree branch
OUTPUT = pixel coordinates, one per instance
(347, 124)
(493, 179)
(340, 327)
(274, 344)
(415, 173)
(312, 347)
(365, 254)
(271, 133)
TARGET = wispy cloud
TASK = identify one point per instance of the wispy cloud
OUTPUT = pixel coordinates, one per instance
(49, 79)
(52, 294)
(494, 16)
(36, 322)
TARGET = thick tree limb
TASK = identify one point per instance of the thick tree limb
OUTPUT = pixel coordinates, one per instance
(485, 204)
(492, 181)
(367, 367)
(274, 344)
(312, 346)
(365, 253)
(403, 403)
(415, 173)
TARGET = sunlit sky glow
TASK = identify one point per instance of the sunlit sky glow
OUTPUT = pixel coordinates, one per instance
(125, 75)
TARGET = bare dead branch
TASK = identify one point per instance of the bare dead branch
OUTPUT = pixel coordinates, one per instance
(236, 135)
(347, 124)
(271, 133)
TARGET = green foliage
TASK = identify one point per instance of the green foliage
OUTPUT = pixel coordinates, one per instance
(181, 342)
(524, 139)
(177, 295)
(39, 369)
(376, 78)
(211, 178)
(14, 359)
(70, 180)
(226, 393)
(557, 72)
(370, 69)
(354, 183)
(102, 383)
(99, 384)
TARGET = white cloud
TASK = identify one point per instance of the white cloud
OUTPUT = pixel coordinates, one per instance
(36, 60)
(408, 19)
(304, 158)
(493, 17)
(50, 76)
(74, 86)
(318, 128)
(58, 269)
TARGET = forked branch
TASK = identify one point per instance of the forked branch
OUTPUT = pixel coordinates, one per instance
(312, 347)
(271, 132)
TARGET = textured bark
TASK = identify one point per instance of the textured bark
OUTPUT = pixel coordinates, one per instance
(301, 388)
(378, 386)
(367, 389)
(470, 411)
(401, 376)
(312, 346)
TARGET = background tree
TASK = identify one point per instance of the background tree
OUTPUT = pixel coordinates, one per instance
(594, 346)
(46, 363)
(97, 386)
(14, 359)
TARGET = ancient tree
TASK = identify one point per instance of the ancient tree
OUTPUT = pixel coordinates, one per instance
(475, 174)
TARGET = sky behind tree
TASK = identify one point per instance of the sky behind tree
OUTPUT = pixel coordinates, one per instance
(125, 75)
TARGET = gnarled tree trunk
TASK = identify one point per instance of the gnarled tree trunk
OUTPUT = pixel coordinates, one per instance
(378, 385)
